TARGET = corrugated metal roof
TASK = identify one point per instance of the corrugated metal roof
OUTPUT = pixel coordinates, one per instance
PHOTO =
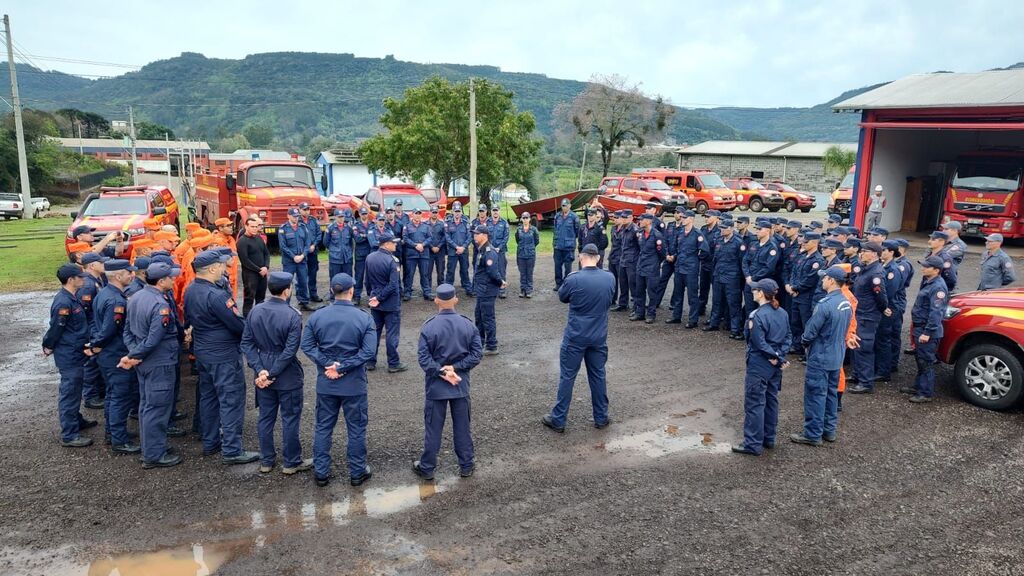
(941, 90)
(119, 144)
(341, 156)
(777, 149)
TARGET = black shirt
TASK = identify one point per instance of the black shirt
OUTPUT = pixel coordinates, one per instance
(253, 252)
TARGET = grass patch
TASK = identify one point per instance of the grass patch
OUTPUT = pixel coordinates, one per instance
(30, 253)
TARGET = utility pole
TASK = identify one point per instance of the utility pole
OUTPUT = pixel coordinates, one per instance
(135, 156)
(167, 143)
(584, 163)
(26, 192)
(473, 202)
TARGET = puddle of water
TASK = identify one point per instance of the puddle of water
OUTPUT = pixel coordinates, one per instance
(667, 440)
(186, 560)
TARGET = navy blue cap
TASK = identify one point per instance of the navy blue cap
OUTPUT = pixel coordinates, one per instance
(342, 282)
(293, 212)
(68, 271)
(209, 258)
(398, 202)
(303, 205)
(812, 236)
(712, 212)
(903, 242)
(456, 205)
(390, 210)
(689, 213)
(932, 262)
(816, 225)
(853, 243)
(337, 212)
(833, 244)
(118, 264)
(417, 211)
(834, 272)
(495, 208)
(160, 270)
(380, 217)
(481, 229)
(524, 215)
(762, 223)
(743, 219)
(565, 202)
(165, 258)
(82, 229)
(845, 230)
(835, 218)
(890, 245)
(938, 234)
(279, 280)
(590, 250)
(142, 262)
(872, 247)
(647, 216)
(90, 257)
(766, 285)
(445, 292)
(434, 209)
(953, 225)
(878, 231)
(794, 224)
(650, 205)
(363, 210)
(481, 208)
(385, 236)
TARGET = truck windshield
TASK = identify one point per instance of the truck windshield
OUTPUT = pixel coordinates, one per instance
(410, 202)
(988, 176)
(113, 205)
(713, 181)
(847, 181)
(657, 185)
(285, 176)
(753, 184)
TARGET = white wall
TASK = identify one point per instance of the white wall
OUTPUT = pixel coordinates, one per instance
(355, 179)
(900, 154)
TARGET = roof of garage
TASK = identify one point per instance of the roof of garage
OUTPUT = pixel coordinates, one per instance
(944, 90)
(779, 149)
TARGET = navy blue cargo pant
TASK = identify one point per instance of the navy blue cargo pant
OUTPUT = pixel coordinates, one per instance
(289, 404)
(434, 413)
(760, 402)
(570, 356)
(328, 406)
(389, 324)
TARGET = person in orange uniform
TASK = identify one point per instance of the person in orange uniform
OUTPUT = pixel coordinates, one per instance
(190, 229)
(75, 251)
(152, 226)
(226, 234)
(166, 240)
(851, 332)
(142, 247)
(201, 240)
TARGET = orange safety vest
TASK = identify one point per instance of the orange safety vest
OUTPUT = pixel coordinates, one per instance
(230, 242)
(849, 331)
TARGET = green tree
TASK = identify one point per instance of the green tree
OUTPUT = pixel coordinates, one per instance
(258, 135)
(232, 143)
(316, 145)
(92, 125)
(152, 131)
(614, 112)
(427, 132)
(837, 160)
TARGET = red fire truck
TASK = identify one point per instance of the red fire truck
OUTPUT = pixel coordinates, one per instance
(263, 188)
(986, 193)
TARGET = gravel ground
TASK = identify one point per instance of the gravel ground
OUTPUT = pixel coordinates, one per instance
(907, 489)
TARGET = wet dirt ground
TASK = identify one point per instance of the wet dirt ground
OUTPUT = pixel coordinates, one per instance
(932, 489)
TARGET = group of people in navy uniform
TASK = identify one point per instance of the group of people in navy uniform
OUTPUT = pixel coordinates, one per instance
(819, 292)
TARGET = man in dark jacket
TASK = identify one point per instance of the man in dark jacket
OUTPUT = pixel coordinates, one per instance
(255, 259)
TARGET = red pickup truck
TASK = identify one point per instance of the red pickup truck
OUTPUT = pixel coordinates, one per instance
(648, 190)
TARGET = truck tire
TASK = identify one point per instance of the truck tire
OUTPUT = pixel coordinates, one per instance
(756, 204)
(790, 205)
(702, 207)
(990, 376)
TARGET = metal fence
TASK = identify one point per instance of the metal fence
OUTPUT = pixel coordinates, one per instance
(95, 179)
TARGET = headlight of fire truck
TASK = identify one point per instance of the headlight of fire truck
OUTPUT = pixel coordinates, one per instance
(136, 231)
(950, 312)
(1008, 225)
(262, 214)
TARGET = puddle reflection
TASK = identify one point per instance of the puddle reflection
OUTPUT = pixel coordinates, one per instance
(667, 440)
(190, 560)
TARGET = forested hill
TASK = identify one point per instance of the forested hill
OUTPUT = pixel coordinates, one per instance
(339, 96)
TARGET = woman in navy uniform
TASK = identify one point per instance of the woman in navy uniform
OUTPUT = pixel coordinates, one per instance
(488, 281)
(110, 312)
(270, 343)
(527, 239)
(926, 318)
(385, 290)
(589, 294)
(768, 340)
(65, 340)
(341, 341)
(449, 348)
(152, 340)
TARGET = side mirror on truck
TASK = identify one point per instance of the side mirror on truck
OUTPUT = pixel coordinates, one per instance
(323, 183)
(229, 182)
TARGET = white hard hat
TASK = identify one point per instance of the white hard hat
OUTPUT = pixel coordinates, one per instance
(878, 188)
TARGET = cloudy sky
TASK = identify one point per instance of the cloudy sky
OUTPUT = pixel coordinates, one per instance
(771, 53)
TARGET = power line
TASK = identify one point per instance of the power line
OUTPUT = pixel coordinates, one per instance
(88, 62)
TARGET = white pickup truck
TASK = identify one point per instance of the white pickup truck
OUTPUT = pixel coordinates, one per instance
(11, 205)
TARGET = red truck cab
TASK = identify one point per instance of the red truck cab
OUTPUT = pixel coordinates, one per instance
(125, 210)
(983, 338)
(646, 189)
(986, 193)
(266, 189)
(753, 195)
(792, 198)
(842, 197)
(704, 189)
